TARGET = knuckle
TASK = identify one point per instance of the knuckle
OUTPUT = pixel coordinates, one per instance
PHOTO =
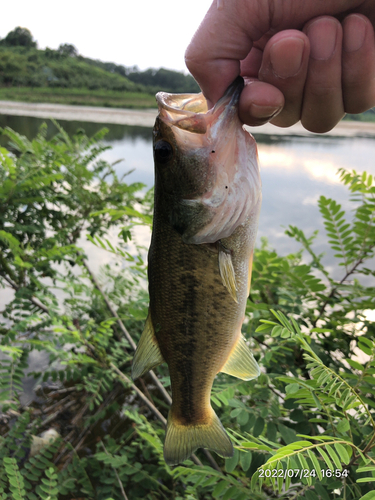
(193, 58)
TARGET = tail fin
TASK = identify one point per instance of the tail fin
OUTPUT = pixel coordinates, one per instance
(182, 440)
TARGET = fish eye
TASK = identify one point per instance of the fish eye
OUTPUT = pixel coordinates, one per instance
(163, 151)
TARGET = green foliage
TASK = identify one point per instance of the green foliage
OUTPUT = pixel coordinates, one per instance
(54, 193)
(16, 484)
(337, 403)
(37, 474)
(12, 368)
(304, 429)
(62, 68)
(67, 50)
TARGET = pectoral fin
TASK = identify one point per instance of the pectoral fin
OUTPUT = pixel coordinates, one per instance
(148, 354)
(241, 362)
(227, 272)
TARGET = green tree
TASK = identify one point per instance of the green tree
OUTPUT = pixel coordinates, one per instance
(67, 50)
(19, 37)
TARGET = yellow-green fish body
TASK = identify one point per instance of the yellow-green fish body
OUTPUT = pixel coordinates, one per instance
(207, 203)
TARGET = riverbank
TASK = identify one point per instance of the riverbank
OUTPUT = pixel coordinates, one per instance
(146, 118)
(142, 118)
(79, 97)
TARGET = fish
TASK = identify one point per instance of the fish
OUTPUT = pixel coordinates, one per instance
(206, 209)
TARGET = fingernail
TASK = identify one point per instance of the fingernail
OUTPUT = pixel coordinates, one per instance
(322, 39)
(264, 112)
(286, 67)
(354, 34)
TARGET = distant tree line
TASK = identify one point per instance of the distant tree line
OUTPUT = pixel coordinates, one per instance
(23, 64)
(165, 79)
(155, 79)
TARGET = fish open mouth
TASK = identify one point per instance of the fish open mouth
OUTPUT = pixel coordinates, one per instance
(189, 111)
(185, 111)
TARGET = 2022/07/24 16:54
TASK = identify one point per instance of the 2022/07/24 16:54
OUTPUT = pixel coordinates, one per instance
(301, 473)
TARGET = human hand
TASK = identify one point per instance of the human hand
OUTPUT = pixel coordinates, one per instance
(298, 60)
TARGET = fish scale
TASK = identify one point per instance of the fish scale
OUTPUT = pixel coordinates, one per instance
(207, 204)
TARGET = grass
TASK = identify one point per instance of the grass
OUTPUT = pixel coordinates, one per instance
(82, 97)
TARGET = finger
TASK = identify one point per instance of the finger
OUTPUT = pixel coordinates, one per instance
(358, 64)
(284, 66)
(259, 102)
(250, 66)
(323, 104)
(214, 54)
(227, 33)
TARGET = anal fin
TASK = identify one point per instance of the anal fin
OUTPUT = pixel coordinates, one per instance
(148, 354)
(241, 362)
(227, 272)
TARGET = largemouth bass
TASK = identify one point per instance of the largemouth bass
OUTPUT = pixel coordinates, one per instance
(207, 204)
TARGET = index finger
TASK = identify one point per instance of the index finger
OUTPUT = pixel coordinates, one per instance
(214, 54)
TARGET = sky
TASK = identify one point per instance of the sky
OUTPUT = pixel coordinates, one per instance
(146, 33)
